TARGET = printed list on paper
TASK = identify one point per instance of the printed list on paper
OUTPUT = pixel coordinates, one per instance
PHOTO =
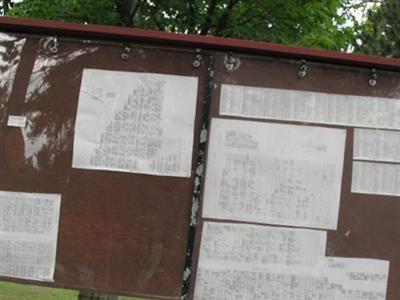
(313, 107)
(377, 145)
(375, 178)
(274, 173)
(240, 261)
(28, 234)
(135, 122)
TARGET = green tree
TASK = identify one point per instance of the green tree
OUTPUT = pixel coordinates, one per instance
(380, 32)
(90, 11)
(311, 23)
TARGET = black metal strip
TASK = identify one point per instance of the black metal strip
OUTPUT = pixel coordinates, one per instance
(199, 176)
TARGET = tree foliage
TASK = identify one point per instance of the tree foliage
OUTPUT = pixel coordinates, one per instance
(380, 33)
(314, 23)
(311, 23)
(90, 11)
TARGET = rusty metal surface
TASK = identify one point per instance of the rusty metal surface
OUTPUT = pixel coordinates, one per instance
(368, 224)
(119, 232)
(127, 233)
(46, 27)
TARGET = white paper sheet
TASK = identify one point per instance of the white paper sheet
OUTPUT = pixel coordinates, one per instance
(135, 122)
(274, 173)
(253, 261)
(379, 145)
(352, 283)
(375, 178)
(240, 261)
(310, 107)
(356, 278)
(229, 283)
(28, 234)
(16, 121)
(227, 244)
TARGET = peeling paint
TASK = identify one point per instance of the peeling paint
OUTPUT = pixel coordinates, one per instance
(203, 135)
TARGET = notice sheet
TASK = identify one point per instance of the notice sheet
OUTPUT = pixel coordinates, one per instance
(274, 173)
(135, 122)
(312, 107)
(28, 234)
(239, 261)
(375, 178)
(379, 145)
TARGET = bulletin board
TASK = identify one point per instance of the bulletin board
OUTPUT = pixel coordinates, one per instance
(367, 222)
(119, 233)
(140, 234)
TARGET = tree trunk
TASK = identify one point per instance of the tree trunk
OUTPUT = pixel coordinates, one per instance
(5, 6)
(127, 10)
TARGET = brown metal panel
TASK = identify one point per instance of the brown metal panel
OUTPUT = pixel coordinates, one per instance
(119, 232)
(127, 233)
(199, 41)
(368, 224)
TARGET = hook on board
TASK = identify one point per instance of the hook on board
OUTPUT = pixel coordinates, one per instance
(126, 52)
(198, 58)
(302, 72)
(373, 78)
(231, 61)
(54, 45)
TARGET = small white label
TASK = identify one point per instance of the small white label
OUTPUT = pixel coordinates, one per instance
(16, 121)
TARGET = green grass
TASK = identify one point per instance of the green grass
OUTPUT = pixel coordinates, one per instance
(13, 291)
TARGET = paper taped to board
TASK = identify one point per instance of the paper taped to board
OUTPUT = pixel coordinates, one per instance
(223, 283)
(135, 122)
(274, 173)
(261, 247)
(235, 264)
(375, 178)
(16, 121)
(379, 145)
(312, 107)
(356, 278)
(28, 234)
(239, 261)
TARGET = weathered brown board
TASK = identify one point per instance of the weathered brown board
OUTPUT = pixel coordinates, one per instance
(119, 232)
(128, 233)
(368, 224)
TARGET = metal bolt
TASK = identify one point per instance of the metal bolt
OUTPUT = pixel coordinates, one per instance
(231, 62)
(303, 69)
(197, 59)
(373, 79)
(54, 45)
(126, 52)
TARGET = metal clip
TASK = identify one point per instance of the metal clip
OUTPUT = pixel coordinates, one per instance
(373, 77)
(126, 52)
(231, 61)
(302, 72)
(198, 57)
(54, 45)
